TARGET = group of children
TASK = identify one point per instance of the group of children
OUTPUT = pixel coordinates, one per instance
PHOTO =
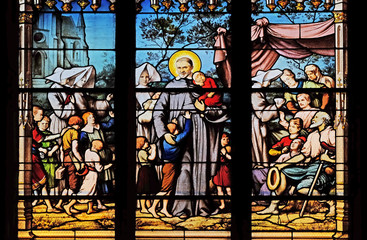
(281, 151)
(147, 181)
(80, 170)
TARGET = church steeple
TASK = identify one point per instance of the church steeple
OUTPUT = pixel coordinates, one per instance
(81, 32)
(81, 23)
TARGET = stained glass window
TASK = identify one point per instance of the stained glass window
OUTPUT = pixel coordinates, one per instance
(66, 119)
(299, 134)
(138, 120)
(183, 122)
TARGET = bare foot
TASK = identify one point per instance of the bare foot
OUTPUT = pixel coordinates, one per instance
(331, 212)
(34, 203)
(53, 210)
(59, 207)
(152, 211)
(166, 213)
(101, 207)
(67, 210)
(91, 211)
(144, 210)
(73, 210)
(183, 216)
(269, 210)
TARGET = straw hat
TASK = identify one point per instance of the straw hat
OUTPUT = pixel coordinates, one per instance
(273, 179)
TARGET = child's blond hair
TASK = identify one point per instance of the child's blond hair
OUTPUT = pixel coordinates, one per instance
(97, 144)
(140, 141)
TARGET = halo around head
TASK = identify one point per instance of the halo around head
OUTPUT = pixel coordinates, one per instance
(184, 53)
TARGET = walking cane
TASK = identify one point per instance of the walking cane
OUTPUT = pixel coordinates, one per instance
(312, 187)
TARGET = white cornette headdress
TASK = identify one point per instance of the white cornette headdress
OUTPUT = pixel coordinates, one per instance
(264, 76)
(152, 72)
(75, 74)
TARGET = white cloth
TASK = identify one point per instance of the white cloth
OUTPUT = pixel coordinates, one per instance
(74, 75)
(312, 147)
(64, 109)
(152, 72)
(265, 76)
(263, 112)
(89, 185)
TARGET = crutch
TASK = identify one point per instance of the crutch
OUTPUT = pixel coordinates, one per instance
(312, 187)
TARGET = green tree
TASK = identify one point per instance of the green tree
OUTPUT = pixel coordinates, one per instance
(169, 32)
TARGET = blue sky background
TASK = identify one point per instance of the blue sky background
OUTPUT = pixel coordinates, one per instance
(206, 55)
(101, 28)
(100, 33)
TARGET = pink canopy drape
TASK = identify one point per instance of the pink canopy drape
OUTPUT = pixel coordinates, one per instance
(296, 41)
(222, 56)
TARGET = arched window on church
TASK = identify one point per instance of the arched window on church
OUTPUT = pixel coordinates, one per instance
(38, 65)
(76, 49)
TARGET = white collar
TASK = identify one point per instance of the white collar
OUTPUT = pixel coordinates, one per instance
(178, 78)
(90, 128)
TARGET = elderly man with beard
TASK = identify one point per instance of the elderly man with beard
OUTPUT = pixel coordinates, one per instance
(319, 146)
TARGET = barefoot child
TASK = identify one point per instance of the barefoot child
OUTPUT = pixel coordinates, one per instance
(170, 155)
(147, 176)
(39, 174)
(222, 179)
(89, 184)
(48, 154)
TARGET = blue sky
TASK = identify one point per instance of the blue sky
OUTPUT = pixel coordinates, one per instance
(101, 28)
(206, 54)
(100, 33)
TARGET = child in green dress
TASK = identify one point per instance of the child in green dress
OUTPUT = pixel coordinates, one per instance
(48, 151)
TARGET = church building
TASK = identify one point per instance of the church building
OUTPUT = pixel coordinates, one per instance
(64, 44)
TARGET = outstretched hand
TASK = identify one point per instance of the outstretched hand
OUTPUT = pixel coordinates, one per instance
(199, 105)
(279, 102)
(109, 97)
(326, 158)
(187, 115)
(107, 166)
